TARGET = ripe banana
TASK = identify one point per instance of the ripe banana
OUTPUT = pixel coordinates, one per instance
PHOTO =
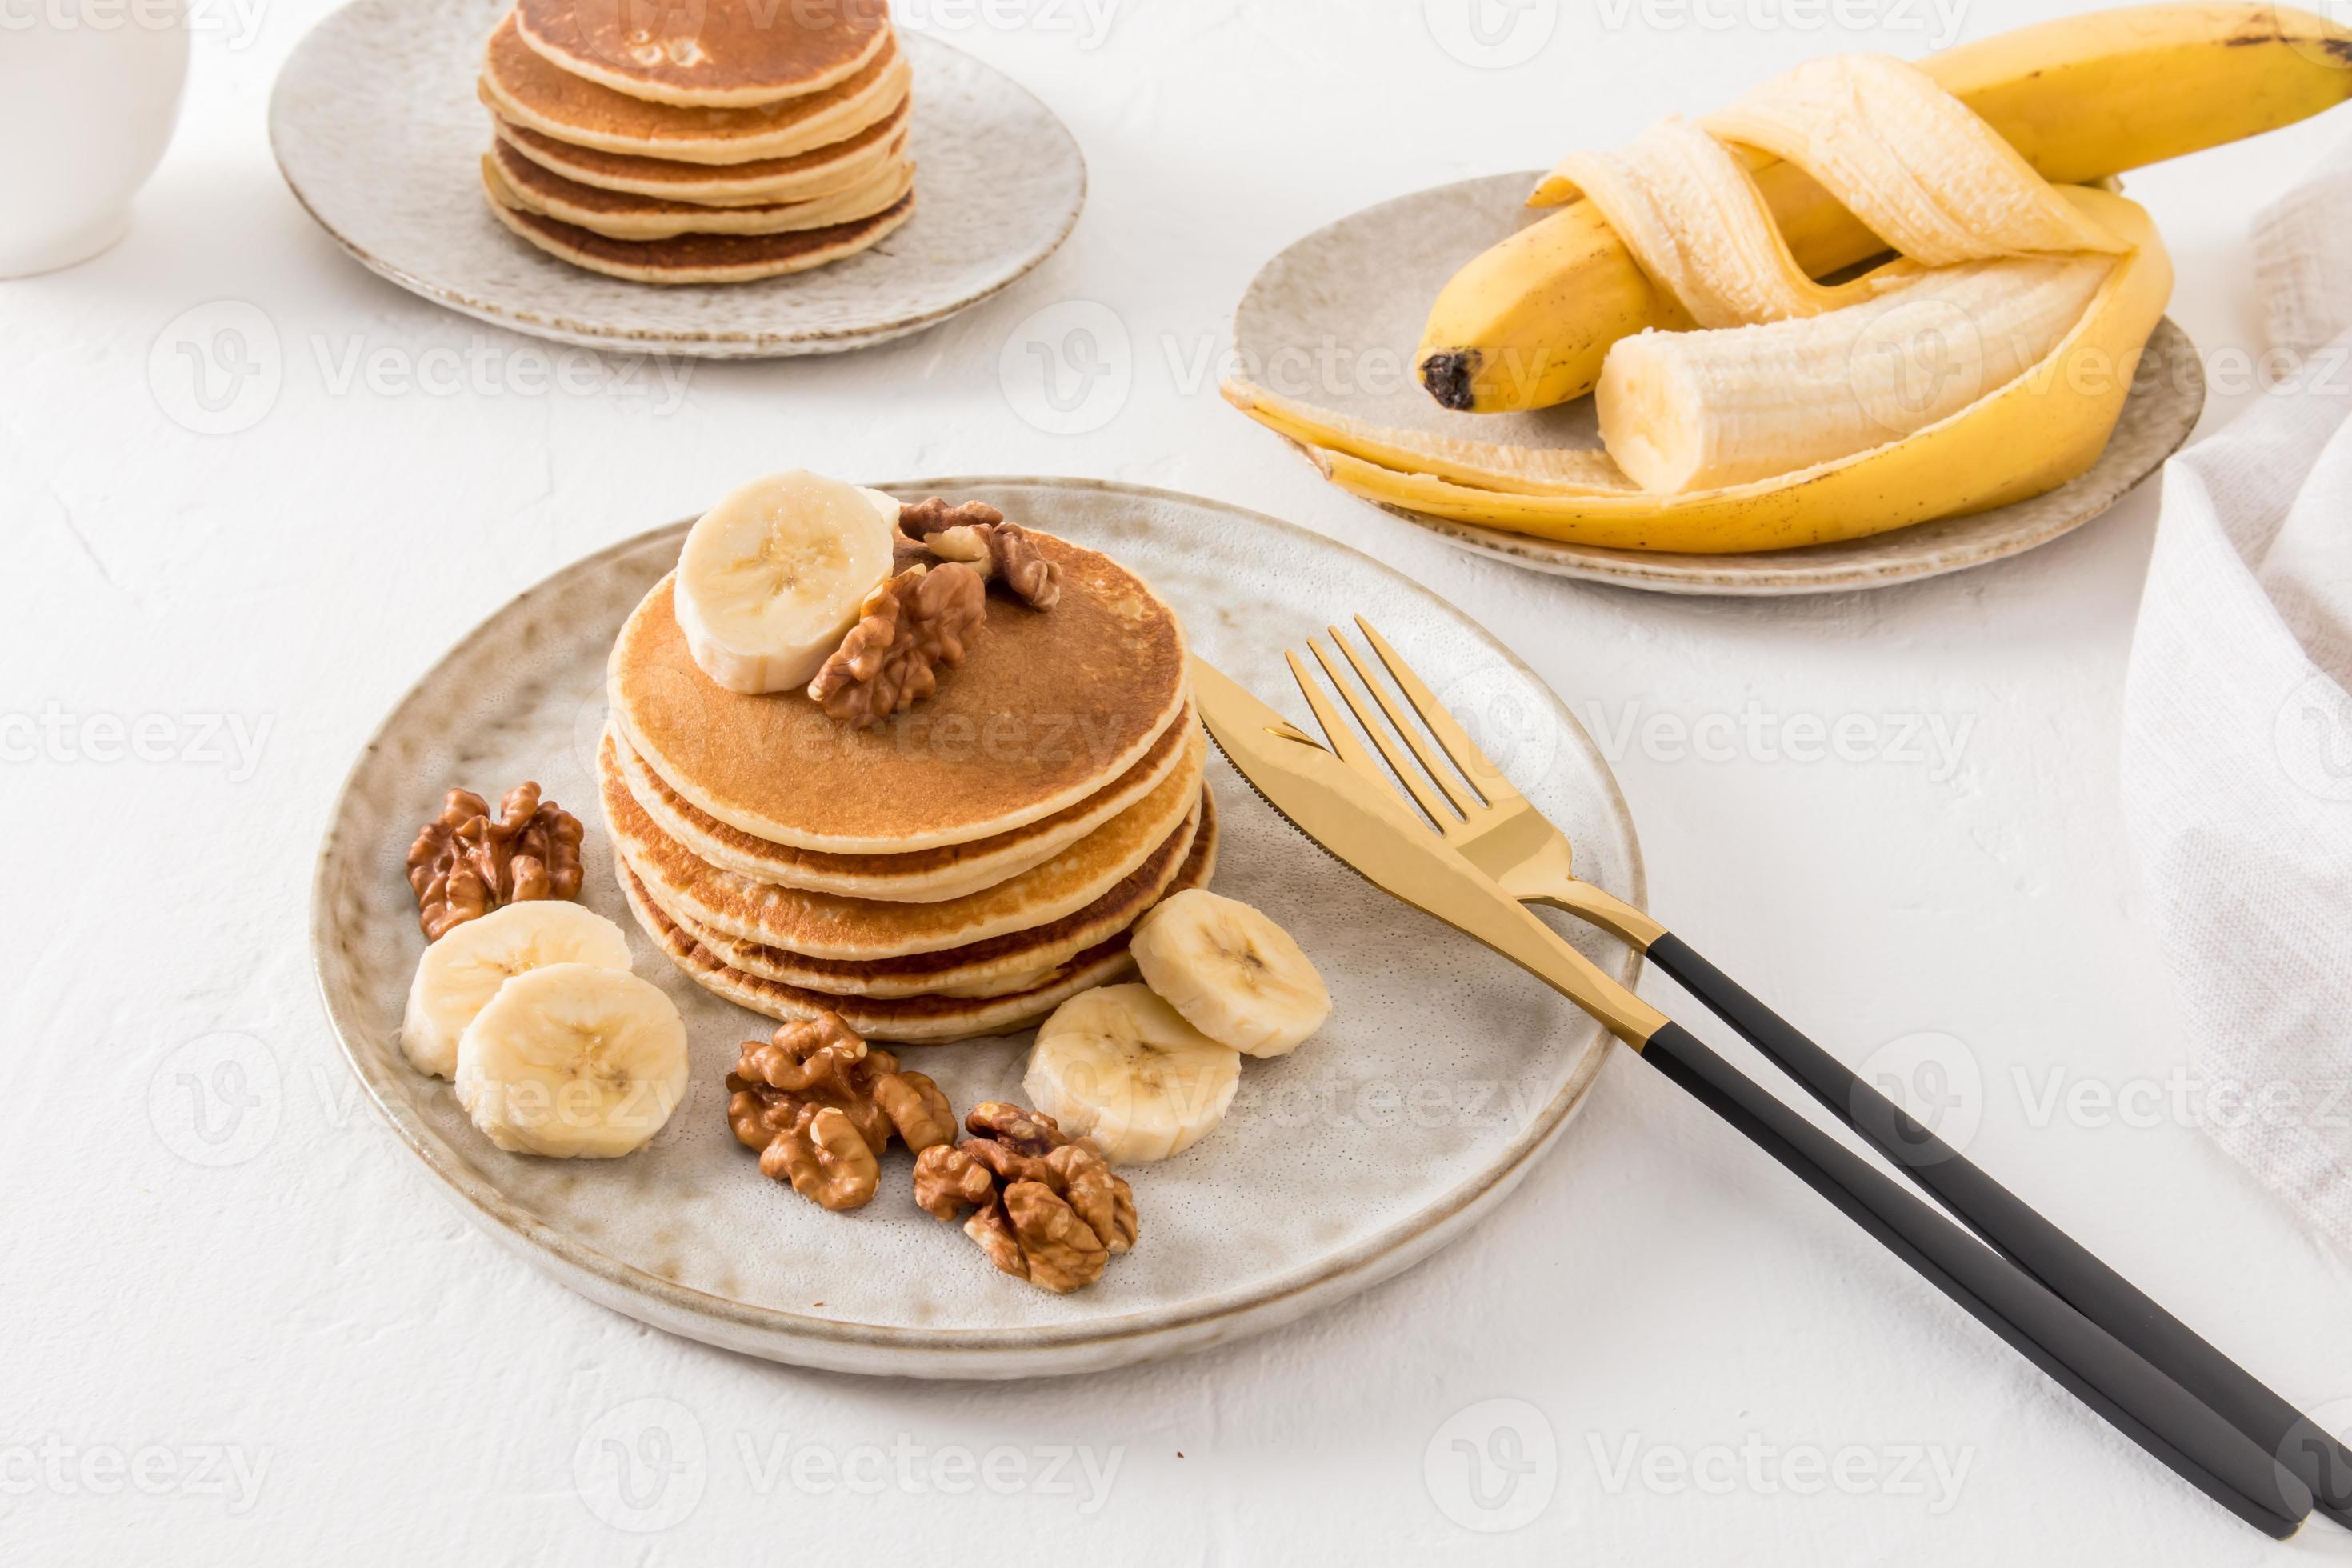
(1708, 410)
(1121, 1066)
(1232, 974)
(771, 579)
(1528, 322)
(572, 1061)
(2030, 435)
(459, 973)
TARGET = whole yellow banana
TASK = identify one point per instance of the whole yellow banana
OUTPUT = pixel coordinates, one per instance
(1528, 321)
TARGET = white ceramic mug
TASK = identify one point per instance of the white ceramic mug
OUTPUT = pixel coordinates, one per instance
(89, 91)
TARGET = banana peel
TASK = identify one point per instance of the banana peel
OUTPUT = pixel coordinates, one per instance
(2025, 438)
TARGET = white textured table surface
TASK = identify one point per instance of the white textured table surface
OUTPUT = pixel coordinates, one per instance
(242, 1324)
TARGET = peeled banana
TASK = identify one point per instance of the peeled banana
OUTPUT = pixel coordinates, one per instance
(1530, 323)
(1231, 973)
(572, 1061)
(1695, 411)
(771, 578)
(1121, 1066)
(461, 972)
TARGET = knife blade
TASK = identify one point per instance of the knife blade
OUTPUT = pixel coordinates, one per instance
(1370, 830)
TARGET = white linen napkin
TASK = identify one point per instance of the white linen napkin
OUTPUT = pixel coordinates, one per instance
(2237, 735)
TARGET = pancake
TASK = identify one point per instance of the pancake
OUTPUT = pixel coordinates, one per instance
(926, 875)
(823, 925)
(690, 258)
(1017, 960)
(818, 172)
(619, 216)
(914, 1020)
(716, 54)
(524, 89)
(1046, 708)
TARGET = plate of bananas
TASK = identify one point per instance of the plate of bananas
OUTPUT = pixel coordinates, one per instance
(1872, 322)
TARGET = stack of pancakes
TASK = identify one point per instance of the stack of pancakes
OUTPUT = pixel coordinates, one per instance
(727, 140)
(961, 869)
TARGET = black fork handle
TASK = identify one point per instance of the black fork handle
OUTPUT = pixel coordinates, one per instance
(2182, 1432)
(2014, 1229)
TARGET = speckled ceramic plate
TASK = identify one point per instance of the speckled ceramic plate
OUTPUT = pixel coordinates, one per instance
(377, 129)
(1443, 1072)
(1334, 320)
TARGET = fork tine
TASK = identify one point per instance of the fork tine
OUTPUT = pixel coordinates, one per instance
(1344, 744)
(1452, 738)
(1466, 802)
(1402, 770)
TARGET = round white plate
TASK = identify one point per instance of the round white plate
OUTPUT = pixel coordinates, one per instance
(1443, 1072)
(377, 129)
(1335, 318)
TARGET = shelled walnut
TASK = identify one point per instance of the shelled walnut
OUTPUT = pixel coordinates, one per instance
(907, 629)
(977, 534)
(821, 1109)
(1045, 1208)
(463, 865)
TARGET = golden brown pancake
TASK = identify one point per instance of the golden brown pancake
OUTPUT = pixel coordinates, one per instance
(690, 258)
(823, 925)
(1017, 960)
(619, 216)
(818, 173)
(913, 1020)
(926, 875)
(1048, 708)
(524, 89)
(706, 53)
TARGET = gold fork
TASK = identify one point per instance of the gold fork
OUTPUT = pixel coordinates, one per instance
(1478, 812)
(1489, 823)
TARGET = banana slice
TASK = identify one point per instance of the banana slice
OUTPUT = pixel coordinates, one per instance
(459, 973)
(772, 576)
(572, 1061)
(1117, 1065)
(1234, 974)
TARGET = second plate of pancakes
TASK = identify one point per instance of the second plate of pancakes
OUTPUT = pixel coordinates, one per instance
(951, 879)
(618, 219)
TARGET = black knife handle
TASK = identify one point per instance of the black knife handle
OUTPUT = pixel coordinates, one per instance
(2021, 1235)
(2182, 1432)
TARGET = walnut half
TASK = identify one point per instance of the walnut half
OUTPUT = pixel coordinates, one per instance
(907, 629)
(463, 864)
(1045, 1208)
(821, 1109)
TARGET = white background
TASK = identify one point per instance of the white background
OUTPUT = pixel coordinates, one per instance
(307, 1349)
